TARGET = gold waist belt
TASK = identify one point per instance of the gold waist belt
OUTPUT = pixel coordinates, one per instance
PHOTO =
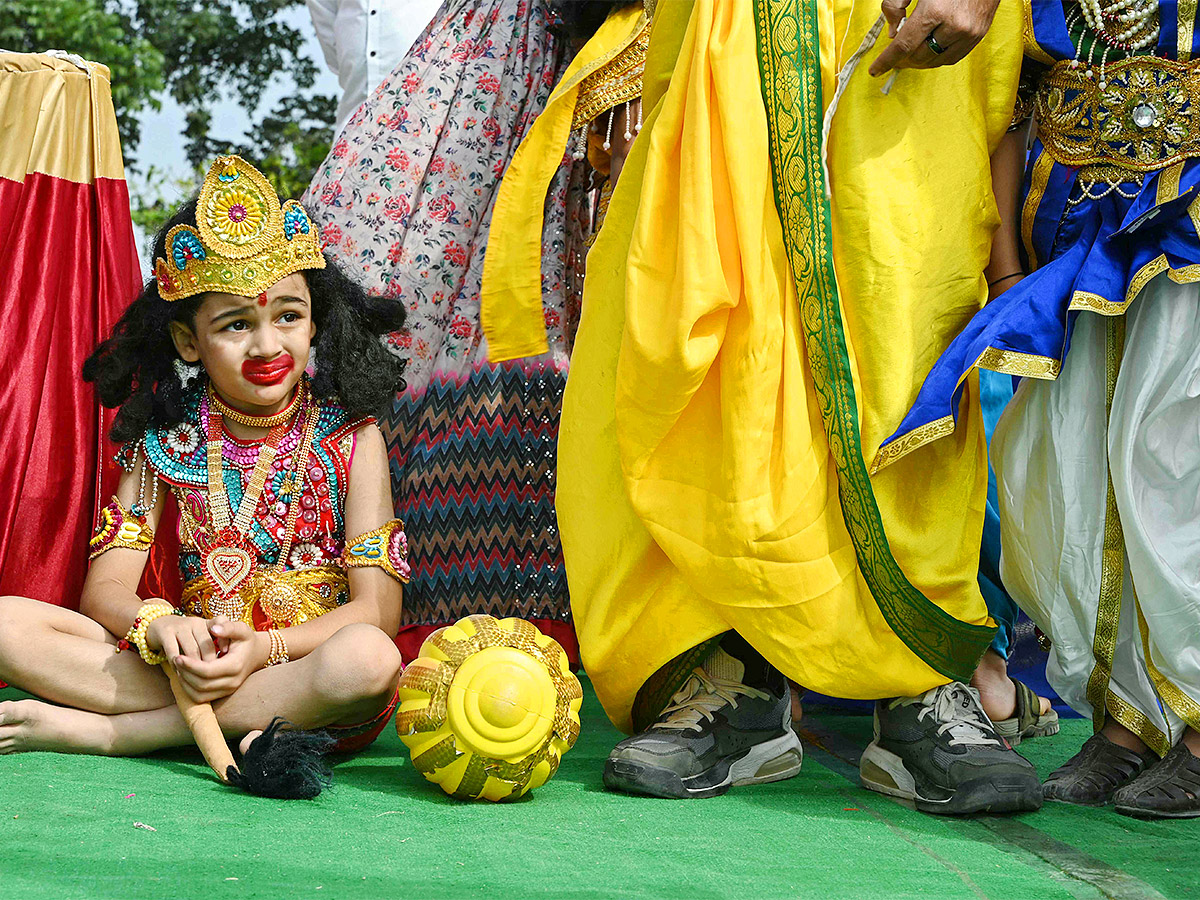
(1143, 119)
(284, 598)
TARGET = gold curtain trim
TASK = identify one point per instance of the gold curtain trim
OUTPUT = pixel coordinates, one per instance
(58, 120)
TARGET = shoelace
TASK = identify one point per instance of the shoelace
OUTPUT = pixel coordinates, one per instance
(960, 714)
(701, 696)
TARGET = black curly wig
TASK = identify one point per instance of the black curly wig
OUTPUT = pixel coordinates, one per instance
(581, 18)
(134, 369)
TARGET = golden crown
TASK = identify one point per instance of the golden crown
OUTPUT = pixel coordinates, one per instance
(244, 242)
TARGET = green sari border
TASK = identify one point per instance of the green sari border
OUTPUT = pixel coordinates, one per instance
(788, 49)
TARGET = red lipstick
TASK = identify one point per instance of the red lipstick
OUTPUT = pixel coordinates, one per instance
(268, 372)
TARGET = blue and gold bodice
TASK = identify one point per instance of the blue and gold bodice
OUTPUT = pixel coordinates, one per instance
(1110, 200)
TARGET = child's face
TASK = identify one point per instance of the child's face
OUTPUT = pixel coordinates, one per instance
(254, 349)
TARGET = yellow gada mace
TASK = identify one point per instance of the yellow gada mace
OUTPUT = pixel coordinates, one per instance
(488, 708)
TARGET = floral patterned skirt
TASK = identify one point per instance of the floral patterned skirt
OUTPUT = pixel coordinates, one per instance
(404, 202)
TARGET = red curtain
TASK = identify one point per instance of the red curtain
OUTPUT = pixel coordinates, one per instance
(68, 267)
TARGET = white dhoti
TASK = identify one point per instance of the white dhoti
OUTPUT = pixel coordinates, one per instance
(1100, 514)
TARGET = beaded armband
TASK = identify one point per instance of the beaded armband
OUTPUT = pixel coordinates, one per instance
(119, 527)
(386, 547)
(136, 636)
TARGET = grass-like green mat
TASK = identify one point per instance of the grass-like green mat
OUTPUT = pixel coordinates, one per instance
(67, 830)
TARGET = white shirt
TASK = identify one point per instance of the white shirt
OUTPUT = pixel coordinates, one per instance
(363, 40)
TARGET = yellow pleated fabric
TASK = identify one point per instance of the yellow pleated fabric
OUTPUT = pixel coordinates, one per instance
(511, 294)
(697, 490)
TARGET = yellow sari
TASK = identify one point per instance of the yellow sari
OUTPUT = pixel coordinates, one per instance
(711, 461)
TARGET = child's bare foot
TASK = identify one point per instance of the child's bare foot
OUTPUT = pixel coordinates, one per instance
(797, 706)
(998, 692)
(244, 743)
(27, 725)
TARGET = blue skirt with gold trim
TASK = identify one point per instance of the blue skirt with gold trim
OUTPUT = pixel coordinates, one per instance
(1096, 255)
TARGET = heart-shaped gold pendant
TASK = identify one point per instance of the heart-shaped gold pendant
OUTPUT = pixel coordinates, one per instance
(227, 568)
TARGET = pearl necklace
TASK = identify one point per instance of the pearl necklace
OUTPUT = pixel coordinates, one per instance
(1128, 25)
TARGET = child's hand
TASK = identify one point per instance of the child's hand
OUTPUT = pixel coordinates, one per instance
(181, 635)
(245, 652)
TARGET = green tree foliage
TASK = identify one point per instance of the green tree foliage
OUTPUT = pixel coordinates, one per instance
(196, 51)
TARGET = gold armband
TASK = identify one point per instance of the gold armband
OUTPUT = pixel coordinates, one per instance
(385, 547)
(120, 528)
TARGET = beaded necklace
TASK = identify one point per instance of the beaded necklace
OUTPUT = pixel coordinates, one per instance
(234, 415)
(227, 555)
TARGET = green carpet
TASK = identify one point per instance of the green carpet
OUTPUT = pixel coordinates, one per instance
(67, 830)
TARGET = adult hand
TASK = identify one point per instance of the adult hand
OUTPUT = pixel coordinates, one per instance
(246, 651)
(956, 26)
(181, 635)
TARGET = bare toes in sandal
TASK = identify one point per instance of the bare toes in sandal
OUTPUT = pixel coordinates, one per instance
(1168, 789)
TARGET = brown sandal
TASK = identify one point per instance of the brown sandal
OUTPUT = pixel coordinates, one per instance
(1168, 789)
(1027, 720)
(1093, 775)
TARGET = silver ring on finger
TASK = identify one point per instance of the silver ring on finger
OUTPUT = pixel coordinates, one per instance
(933, 45)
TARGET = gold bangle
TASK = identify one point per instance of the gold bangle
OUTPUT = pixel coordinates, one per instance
(136, 636)
(279, 649)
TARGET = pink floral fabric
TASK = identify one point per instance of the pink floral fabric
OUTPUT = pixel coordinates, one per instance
(404, 203)
(404, 200)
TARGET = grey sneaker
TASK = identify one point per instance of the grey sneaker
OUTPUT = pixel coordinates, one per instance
(716, 733)
(941, 752)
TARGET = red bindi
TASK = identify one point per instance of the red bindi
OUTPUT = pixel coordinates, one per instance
(262, 299)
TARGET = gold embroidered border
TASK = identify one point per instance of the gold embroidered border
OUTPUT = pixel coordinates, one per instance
(617, 81)
(788, 49)
(1187, 29)
(1179, 702)
(1085, 300)
(1024, 365)
(1032, 48)
(598, 64)
(1006, 362)
(1135, 720)
(915, 439)
(1089, 302)
(288, 598)
(1038, 181)
(1112, 554)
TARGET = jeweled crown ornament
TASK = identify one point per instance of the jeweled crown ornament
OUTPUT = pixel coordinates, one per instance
(244, 242)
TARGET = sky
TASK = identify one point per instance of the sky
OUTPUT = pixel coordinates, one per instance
(161, 142)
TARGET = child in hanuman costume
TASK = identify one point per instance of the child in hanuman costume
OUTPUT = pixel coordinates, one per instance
(1098, 456)
(291, 559)
(745, 347)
